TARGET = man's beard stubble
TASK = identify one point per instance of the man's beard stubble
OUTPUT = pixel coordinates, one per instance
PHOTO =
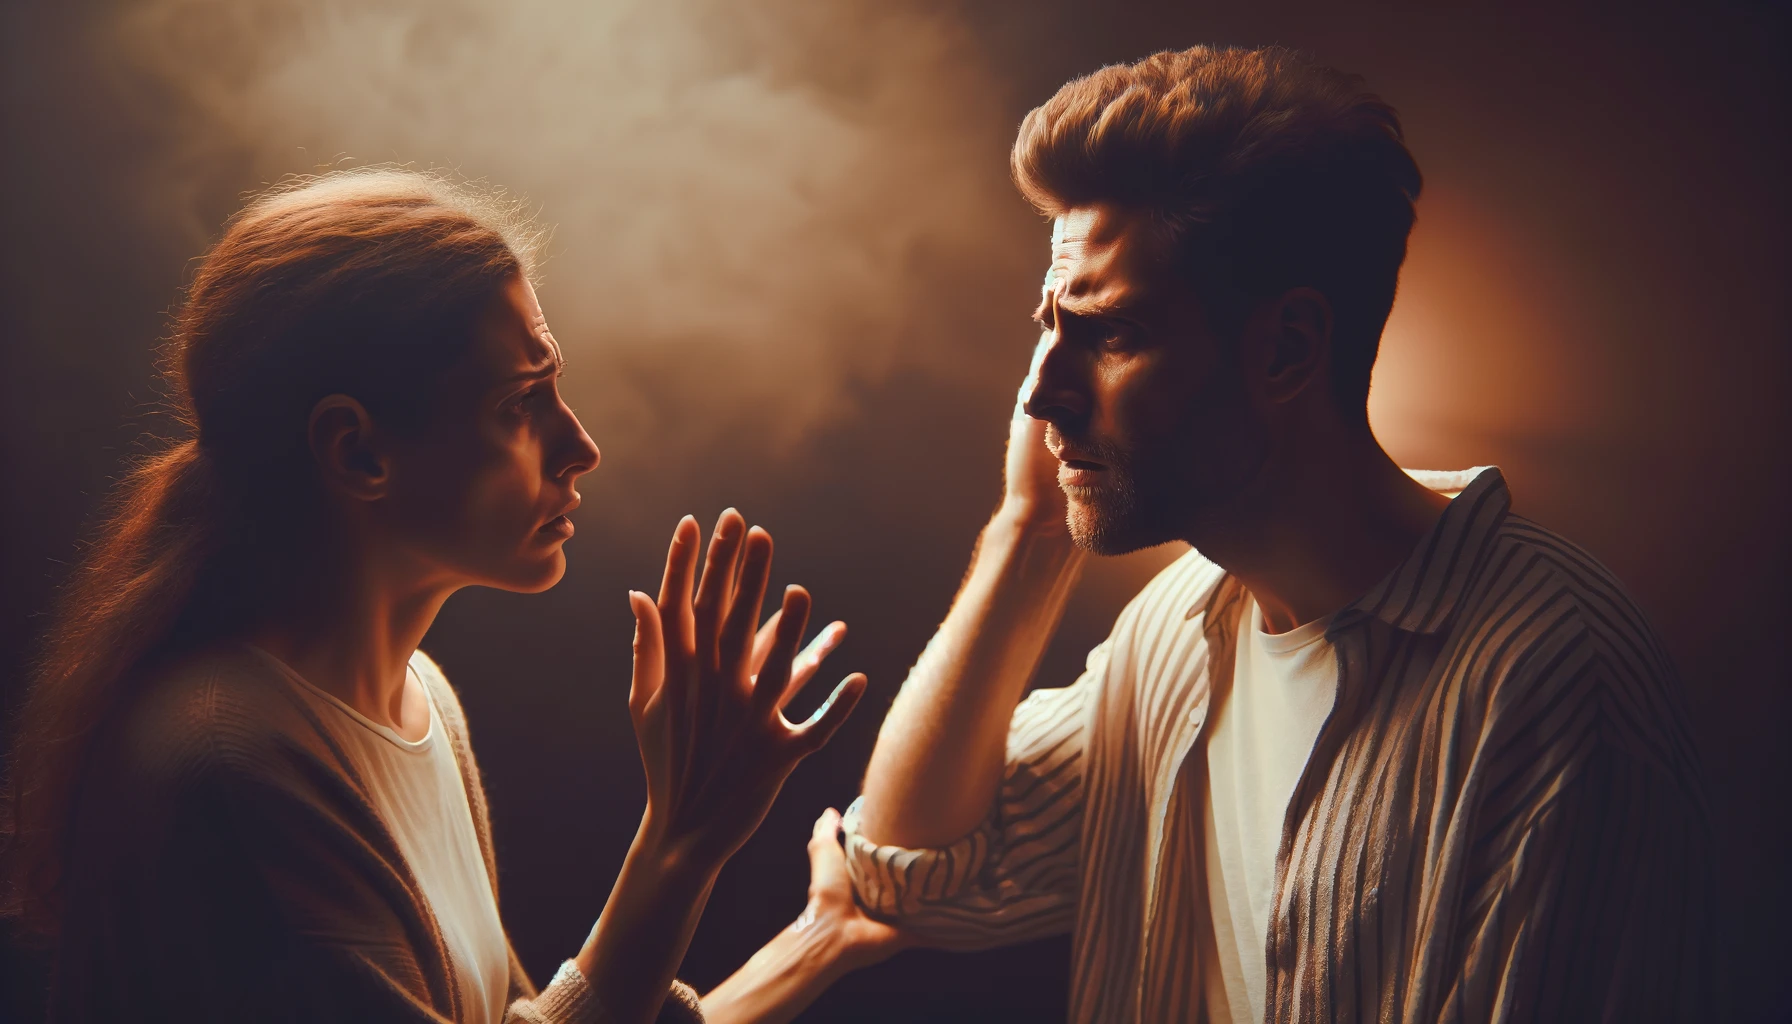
(1167, 487)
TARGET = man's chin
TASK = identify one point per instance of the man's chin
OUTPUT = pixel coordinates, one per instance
(1104, 532)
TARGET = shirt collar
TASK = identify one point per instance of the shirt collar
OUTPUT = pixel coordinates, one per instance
(1422, 592)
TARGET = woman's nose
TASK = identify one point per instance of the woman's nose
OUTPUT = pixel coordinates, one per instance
(578, 454)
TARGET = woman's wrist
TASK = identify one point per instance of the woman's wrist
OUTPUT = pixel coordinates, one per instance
(675, 860)
(785, 975)
(647, 922)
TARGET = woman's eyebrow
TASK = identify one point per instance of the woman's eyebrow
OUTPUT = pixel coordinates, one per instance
(547, 369)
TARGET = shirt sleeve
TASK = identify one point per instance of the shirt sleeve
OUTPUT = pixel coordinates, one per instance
(1604, 912)
(1015, 877)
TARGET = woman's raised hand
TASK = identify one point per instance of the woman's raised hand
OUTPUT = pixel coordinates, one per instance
(708, 693)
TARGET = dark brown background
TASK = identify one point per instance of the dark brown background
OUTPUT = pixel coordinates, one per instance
(791, 277)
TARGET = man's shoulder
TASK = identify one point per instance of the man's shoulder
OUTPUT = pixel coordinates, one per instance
(1553, 625)
(1175, 595)
(1537, 572)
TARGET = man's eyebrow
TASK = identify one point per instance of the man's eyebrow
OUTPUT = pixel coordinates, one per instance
(1094, 309)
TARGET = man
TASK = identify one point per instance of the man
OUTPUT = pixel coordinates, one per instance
(1377, 749)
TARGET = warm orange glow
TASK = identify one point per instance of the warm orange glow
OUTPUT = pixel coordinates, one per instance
(1483, 341)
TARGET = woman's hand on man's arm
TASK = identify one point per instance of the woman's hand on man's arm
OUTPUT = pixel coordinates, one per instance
(831, 937)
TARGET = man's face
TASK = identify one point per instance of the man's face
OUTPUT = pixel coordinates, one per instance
(1146, 407)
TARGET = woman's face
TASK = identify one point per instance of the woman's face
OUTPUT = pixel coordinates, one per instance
(481, 496)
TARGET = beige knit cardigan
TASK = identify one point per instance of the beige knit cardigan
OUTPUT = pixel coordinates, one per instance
(227, 863)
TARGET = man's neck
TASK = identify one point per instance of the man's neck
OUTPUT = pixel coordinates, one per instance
(354, 636)
(1316, 531)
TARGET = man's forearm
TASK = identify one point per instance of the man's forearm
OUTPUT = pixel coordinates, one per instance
(939, 755)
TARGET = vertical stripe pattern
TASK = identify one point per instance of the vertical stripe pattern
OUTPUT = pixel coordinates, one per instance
(1502, 819)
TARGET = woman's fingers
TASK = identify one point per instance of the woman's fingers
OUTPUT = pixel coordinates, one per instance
(650, 653)
(774, 675)
(814, 734)
(809, 661)
(718, 577)
(762, 642)
(749, 594)
(675, 587)
(827, 862)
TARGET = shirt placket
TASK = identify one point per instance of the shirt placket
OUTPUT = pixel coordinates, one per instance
(1221, 620)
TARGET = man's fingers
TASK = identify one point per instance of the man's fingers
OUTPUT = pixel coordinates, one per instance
(718, 574)
(737, 630)
(774, 675)
(650, 652)
(814, 734)
(809, 661)
(675, 587)
(1031, 380)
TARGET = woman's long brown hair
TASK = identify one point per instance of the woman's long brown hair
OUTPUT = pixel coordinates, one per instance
(362, 282)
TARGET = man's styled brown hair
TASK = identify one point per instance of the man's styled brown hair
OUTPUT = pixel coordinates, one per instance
(1268, 171)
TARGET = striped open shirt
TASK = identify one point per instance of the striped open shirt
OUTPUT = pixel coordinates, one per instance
(1502, 818)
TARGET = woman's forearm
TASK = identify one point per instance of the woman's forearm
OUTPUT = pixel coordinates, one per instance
(634, 951)
(782, 979)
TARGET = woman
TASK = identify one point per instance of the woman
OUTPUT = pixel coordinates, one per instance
(240, 792)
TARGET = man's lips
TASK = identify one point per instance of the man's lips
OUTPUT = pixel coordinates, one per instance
(1076, 471)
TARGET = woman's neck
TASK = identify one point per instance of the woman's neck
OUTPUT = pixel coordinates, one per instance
(352, 634)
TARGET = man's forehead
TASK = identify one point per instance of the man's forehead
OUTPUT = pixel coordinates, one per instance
(1082, 228)
(1096, 242)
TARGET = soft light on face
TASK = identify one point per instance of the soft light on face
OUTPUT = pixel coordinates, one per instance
(1145, 406)
(483, 493)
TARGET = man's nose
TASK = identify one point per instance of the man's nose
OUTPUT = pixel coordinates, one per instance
(1054, 390)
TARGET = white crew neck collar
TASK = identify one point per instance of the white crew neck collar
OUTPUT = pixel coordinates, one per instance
(1293, 640)
(385, 732)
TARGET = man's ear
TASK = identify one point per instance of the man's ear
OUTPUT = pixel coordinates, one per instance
(343, 445)
(1297, 331)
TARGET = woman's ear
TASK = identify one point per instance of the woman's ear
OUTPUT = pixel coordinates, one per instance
(342, 439)
(1299, 336)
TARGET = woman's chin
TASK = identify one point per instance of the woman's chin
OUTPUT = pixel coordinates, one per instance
(538, 573)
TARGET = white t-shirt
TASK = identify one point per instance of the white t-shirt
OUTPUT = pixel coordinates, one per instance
(417, 789)
(1258, 742)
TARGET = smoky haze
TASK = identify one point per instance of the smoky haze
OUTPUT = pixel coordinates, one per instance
(734, 190)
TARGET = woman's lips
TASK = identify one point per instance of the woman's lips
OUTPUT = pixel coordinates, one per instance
(559, 527)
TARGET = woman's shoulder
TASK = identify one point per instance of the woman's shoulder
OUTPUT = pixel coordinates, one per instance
(218, 712)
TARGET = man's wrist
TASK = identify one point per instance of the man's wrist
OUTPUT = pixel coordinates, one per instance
(1032, 520)
(1038, 541)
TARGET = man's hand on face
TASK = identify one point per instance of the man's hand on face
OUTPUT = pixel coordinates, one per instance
(1031, 494)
